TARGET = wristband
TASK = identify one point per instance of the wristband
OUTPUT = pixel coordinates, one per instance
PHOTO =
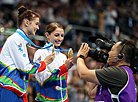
(81, 56)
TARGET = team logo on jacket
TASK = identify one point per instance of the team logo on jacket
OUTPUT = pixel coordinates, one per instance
(20, 47)
(39, 59)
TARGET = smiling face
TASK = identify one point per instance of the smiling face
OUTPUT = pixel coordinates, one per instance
(56, 37)
(28, 20)
(33, 26)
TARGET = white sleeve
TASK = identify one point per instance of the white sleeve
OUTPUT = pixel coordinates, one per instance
(52, 68)
(18, 51)
(37, 56)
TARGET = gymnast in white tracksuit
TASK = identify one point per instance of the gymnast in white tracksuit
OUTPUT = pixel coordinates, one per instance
(51, 84)
(15, 66)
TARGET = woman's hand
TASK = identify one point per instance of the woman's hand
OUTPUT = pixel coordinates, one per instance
(69, 63)
(49, 59)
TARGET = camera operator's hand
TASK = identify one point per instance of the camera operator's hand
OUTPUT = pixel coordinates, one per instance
(84, 49)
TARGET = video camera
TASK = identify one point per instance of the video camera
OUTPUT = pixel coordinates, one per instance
(102, 43)
(106, 45)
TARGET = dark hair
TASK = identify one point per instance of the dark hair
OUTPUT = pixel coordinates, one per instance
(129, 50)
(25, 13)
(52, 27)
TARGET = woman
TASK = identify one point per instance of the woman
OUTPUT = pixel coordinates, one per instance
(51, 84)
(14, 62)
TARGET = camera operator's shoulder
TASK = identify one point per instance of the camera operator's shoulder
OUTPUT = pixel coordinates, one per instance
(112, 74)
(115, 67)
(117, 70)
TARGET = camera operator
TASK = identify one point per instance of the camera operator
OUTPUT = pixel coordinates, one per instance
(114, 83)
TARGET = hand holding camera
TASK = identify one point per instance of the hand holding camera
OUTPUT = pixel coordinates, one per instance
(84, 49)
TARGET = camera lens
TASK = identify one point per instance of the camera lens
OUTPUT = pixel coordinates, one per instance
(99, 56)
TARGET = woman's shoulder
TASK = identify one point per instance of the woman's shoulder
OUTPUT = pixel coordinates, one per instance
(41, 51)
(62, 54)
(14, 36)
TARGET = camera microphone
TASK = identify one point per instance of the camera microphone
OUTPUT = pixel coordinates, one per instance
(103, 44)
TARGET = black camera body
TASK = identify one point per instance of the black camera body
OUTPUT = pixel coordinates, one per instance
(102, 43)
(99, 56)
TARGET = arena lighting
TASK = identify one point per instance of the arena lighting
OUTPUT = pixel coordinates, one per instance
(2, 29)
